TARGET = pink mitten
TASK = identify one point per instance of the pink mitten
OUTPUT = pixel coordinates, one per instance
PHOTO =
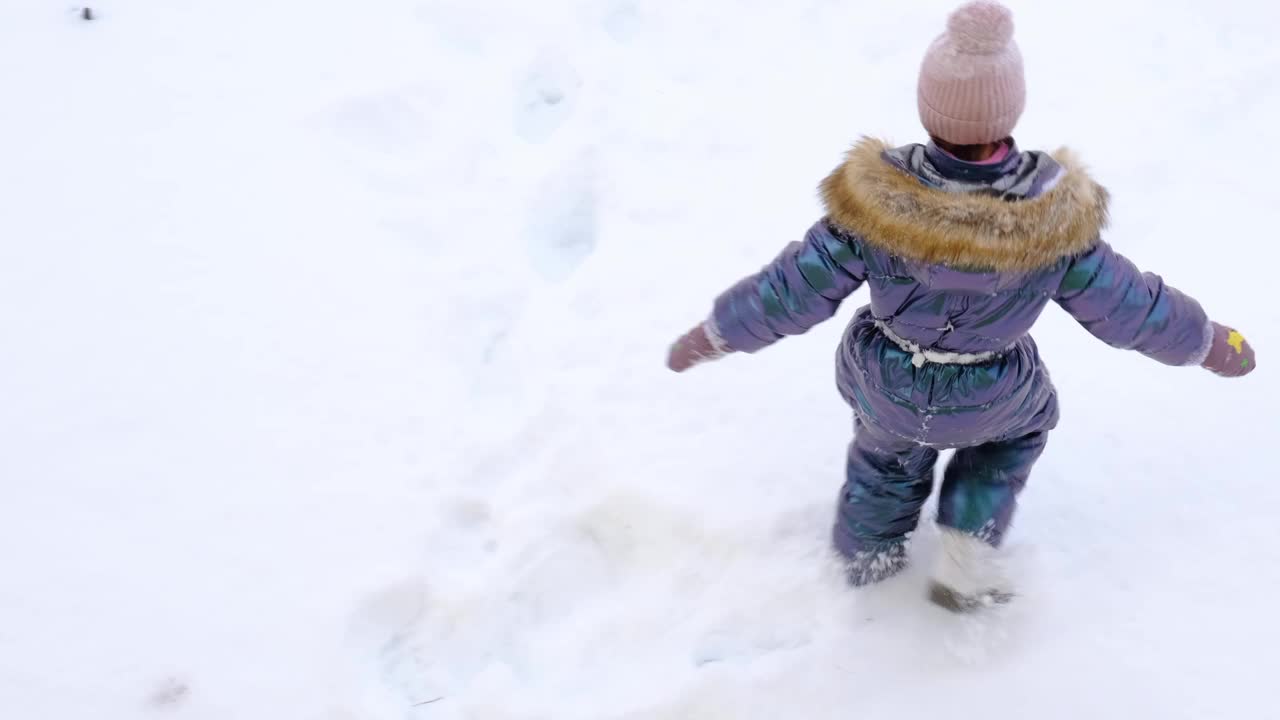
(1230, 354)
(696, 346)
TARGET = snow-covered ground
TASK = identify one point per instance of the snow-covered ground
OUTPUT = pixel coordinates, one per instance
(332, 385)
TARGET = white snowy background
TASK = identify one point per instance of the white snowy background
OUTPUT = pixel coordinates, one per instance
(332, 385)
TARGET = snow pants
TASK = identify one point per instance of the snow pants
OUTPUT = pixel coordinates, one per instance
(888, 480)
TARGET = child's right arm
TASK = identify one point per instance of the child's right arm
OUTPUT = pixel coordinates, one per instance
(1128, 309)
(801, 287)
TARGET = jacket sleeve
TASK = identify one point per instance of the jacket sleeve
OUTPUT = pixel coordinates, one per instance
(1131, 310)
(802, 287)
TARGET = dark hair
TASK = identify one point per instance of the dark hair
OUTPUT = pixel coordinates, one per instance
(968, 153)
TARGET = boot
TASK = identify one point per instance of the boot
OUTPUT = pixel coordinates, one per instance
(967, 575)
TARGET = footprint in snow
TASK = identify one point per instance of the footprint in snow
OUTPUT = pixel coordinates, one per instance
(169, 693)
(562, 225)
(622, 20)
(545, 97)
(386, 123)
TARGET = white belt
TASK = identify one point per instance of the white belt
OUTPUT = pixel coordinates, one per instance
(920, 356)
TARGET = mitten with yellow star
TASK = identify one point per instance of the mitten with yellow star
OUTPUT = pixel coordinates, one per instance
(1230, 354)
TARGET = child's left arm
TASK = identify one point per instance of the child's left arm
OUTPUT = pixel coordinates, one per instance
(802, 287)
(1129, 309)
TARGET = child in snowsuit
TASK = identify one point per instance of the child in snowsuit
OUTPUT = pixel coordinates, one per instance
(963, 242)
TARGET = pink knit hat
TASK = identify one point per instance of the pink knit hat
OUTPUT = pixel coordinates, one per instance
(971, 89)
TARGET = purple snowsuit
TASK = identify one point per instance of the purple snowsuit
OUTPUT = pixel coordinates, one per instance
(961, 259)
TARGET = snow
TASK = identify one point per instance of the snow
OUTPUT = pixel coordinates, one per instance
(332, 368)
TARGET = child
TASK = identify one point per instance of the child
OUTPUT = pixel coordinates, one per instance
(963, 242)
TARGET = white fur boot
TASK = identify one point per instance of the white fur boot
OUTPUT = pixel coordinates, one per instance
(968, 575)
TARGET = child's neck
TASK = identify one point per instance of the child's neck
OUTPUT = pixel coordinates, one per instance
(998, 154)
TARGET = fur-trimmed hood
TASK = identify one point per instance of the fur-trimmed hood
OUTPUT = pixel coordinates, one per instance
(893, 210)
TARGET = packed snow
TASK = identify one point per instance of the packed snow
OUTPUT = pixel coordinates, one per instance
(332, 384)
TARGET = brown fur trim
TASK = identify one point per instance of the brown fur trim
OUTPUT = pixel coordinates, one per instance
(892, 210)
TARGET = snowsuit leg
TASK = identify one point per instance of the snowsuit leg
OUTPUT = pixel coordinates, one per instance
(888, 480)
(981, 485)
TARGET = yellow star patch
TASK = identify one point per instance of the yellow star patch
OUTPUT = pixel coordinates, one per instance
(1236, 340)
